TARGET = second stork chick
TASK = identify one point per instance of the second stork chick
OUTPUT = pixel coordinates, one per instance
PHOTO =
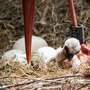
(71, 47)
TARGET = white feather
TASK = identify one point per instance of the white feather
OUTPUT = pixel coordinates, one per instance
(59, 50)
(37, 43)
(75, 61)
(47, 53)
(16, 55)
(60, 55)
(73, 45)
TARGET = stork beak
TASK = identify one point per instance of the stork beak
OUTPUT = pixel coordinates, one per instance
(28, 11)
(70, 56)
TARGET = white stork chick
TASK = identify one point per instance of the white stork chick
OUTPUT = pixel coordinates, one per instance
(41, 56)
(37, 42)
(45, 55)
(70, 48)
(16, 55)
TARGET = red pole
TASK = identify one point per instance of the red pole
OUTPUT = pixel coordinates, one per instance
(72, 12)
(84, 48)
(28, 11)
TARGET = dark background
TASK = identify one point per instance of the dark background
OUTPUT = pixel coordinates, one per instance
(51, 21)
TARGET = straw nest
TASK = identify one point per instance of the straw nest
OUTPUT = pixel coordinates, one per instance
(14, 75)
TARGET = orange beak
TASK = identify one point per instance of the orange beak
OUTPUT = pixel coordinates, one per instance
(28, 11)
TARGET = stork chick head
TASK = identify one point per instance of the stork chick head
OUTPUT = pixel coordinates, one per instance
(72, 47)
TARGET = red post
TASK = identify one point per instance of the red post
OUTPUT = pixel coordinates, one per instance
(28, 11)
(72, 12)
(84, 48)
